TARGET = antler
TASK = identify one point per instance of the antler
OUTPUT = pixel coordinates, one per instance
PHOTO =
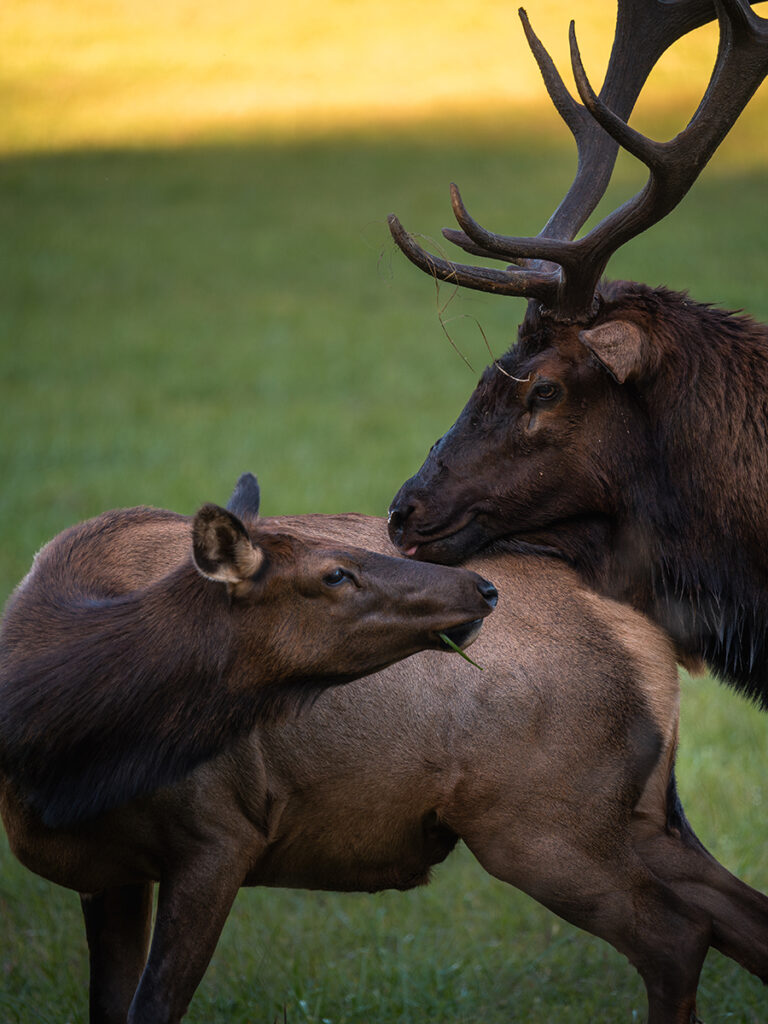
(562, 273)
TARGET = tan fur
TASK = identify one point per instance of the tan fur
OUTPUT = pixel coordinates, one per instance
(552, 764)
(163, 637)
(650, 648)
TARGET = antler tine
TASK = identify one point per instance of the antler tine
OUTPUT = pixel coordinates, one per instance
(740, 67)
(515, 281)
(571, 112)
(645, 29)
(554, 250)
(552, 267)
(622, 135)
(473, 238)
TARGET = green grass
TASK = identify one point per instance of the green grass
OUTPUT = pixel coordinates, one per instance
(171, 317)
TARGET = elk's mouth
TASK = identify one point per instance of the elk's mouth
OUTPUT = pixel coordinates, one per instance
(564, 538)
(448, 545)
(462, 635)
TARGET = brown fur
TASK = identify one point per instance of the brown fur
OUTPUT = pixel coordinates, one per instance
(552, 764)
(643, 463)
(142, 642)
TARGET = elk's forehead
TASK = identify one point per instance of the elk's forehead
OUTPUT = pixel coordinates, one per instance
(292, 545)
(281, 548)
(354, 557)
(519, 367)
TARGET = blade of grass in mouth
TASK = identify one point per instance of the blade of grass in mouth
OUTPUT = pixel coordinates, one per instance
(447, 640)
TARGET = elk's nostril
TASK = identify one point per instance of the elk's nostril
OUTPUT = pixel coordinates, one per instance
(397, 516)
(489, 592)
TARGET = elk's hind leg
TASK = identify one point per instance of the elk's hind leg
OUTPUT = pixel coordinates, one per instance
(738, 913)
(117, 925)
(611, 894)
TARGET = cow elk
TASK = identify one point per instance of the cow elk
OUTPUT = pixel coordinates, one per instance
(627, 430)
(553, 764)
(150, 639)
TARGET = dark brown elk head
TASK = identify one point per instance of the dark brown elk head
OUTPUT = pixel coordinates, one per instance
(143, 642)
(618, 430)
(306, 612)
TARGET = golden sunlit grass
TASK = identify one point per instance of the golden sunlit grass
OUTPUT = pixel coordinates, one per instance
(95, 72)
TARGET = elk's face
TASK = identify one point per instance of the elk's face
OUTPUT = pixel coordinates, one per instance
(305, 612)
(532, 452)
(320, 613)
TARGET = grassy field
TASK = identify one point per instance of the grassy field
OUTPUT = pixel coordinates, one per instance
(186, 294)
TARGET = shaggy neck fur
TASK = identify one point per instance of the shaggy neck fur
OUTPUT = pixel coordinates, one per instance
(692, 550)
(147, 692)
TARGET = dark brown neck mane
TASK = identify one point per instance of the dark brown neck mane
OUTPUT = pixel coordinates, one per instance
(149, 683)
(688, 544)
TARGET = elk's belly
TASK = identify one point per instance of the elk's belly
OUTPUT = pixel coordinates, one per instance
(368, 858)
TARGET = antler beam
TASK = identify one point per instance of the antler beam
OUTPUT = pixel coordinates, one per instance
(554, 269)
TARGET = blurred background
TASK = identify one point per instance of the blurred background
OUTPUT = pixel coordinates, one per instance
(197, 279)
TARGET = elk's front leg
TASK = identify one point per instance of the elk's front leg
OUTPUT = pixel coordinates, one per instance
(117, 926)
(193, 904)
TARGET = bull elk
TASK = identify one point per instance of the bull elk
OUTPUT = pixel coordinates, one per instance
(627, 430)
(553, 764)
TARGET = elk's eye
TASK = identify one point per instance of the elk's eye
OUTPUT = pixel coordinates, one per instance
(545, 391)
(333, 579)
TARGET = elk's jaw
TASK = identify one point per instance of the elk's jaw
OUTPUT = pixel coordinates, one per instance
(447, 544)
(566, 538)
(463, 636)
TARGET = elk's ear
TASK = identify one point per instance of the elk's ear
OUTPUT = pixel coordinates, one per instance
(246, 497)
(620, 345)
(221, 547)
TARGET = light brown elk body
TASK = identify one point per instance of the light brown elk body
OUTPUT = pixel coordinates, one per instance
(152, 639)
(552, 764)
